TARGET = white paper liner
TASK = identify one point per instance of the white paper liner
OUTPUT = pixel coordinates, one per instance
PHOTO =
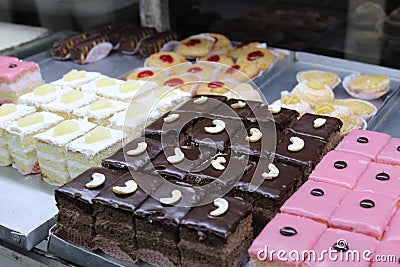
(318, 71)
(366, 117)
(262, 45)
(365, 95)
(169, 46)
(98, 52)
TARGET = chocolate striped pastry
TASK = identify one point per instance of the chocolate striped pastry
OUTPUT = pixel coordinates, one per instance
(102, 29)
(153, 44)
(129, 43)
(61, 48)
(80, 52)
(117, 34)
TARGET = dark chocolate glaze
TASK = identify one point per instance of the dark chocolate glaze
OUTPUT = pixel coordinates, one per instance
(81, 50)
(128, 43)
(178, 171)
(367, 203)
(263, 147)
(226, 111)
(305, 126)
(121, 161)
(154, 43)
(282, 119)
(276, 188)
(77, 189)
(307, 157)
(212, 103)
(199, 218)
(127, 202)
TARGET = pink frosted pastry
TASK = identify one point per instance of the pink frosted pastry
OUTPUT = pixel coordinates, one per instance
(314, 200)
(344, 247)
(364, 212)
(381, 179)
(340, 168)
(390, 154)
(285, 232)
(18, 78)
(6, 61)
(367, 143)
(393, 229)
(386, 250)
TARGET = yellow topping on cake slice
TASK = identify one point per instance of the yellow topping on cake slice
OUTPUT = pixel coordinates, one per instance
(105, 81)
(44, 89)
(359, 107)
(316, 84)
(74, 75)
(65, 127)
(101, 104)
(97, 134)
(290, 99)
(30, 120)
(6, 109)
(324, 77)
(71, 97)
(129, 86)
(325, 108)
(370, 82)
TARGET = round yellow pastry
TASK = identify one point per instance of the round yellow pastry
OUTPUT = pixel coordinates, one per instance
(293, 102)
(244, 91)
(370, 82)
(313, 92)
(215, 88)
(242, 48)
(319, 78)
(358, 107)
(261, 57)
(221, 42)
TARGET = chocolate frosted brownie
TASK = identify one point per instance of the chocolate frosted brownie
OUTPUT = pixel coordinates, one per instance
(205, 105)
(301, 151)
(247, 142)
(74, 201)
(129, 43)
(283, 119)
(157, 227)
(272, 192)
(154, 43)
(113, 214)
(321, 127)
(236, 109)
(202, 133)
(208, 240)
(171, 128)
(122, 161)
(193, 157)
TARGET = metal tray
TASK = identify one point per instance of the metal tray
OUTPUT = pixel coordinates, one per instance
(83, 257)
(283, 77)
(387, 118)
(27, 208)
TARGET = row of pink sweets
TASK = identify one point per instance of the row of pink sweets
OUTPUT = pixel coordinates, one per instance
(346, 214)
(17, 77)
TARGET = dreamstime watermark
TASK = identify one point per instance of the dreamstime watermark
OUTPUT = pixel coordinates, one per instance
(339, 252)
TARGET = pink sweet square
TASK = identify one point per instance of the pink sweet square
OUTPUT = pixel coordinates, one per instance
(364, 212)
(14, 71)
(381, 179)
(315, 200)
(342, 248)
(390, 154)
(285, 234)
(387, 254)
(363, 142)
(393, 229)
(340, 168)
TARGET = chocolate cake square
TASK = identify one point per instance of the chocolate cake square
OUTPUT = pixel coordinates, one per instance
(283, 119)
(171, 128)
(208, 240)
(242, 143)
(324, 128)
(271, 192)
(223, 169)
(236, 109)
(204, 106)
(300, 151)
(157, 224)
(74, 201)
(124, 162)
(199, 133)
(113, 214)
(193, 157)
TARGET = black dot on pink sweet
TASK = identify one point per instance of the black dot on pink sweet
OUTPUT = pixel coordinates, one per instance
(340, 247)
(398, 148)
(340, 164)
(317, 192)
(382, 176)
(288, 231)
(367, 204)
(12, 66)
(362, 140)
